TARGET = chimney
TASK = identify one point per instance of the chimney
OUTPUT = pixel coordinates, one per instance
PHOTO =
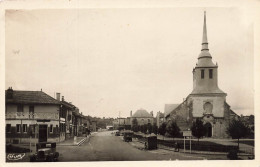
(9, 93)
(130, 113)
(151, 113)
(62, 98)
(58, 96)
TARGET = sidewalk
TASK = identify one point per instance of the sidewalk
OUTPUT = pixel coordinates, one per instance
(166, 150)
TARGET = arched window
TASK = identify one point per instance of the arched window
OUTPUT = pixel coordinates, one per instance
(208, 108)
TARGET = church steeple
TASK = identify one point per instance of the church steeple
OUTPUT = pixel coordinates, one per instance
(204, 37)
(205, 73)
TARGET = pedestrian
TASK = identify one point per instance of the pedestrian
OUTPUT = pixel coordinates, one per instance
(177, 147)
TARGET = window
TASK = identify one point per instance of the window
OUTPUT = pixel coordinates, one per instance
(31, 112)
(25, 128)
(51, 128)
(8, 128)
(148, 120)
(57, 129)
(202, 74)
(210, 73)
(20, 110)
(32, 128)
(18, 128)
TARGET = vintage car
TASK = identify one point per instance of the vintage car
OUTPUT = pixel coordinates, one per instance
(117, 133)
(45, 151)
(128, 136)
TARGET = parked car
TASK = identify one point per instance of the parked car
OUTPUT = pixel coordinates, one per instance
(117, 133)
(128, 136)
(45, 151)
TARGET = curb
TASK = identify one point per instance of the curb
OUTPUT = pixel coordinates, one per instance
(72, 143)
(81, 141)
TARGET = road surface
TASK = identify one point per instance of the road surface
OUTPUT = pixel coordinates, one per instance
(103, 146)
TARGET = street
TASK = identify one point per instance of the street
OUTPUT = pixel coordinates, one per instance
(104, 146)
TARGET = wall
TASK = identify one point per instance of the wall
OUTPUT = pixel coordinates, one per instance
(142, 121)
(41, 112)
(217, 101)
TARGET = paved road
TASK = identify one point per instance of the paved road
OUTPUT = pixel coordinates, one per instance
(103, 146)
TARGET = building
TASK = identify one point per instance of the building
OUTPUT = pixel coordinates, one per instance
(206, 102)
(66, 115)
(159, 119)
(142, 117)
(122, 123)
(31, 113)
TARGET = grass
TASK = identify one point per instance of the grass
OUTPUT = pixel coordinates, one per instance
(250, 142)
(195, 145)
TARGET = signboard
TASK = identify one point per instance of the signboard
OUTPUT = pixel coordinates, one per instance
(187, 133)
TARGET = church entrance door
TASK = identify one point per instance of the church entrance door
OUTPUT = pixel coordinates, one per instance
(208, 129)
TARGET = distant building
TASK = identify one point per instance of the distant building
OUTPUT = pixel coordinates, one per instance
(31, 113)
(93, 126)
(159, 119)
(119, 123)
(142, 117)
(206, 102)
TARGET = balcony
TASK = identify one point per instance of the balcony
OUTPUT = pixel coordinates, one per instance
(37, 115)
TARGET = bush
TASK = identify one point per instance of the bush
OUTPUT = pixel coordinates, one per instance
(232, 155)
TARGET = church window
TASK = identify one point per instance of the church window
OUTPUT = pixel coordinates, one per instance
(210, 73)
(202, 74)
(208, 108)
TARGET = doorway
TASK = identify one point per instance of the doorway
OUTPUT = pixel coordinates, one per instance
(43, 133)
(208, 127)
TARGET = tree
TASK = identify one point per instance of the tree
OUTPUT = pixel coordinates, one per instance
(149, 128)
(155, 128)
(162, 129)
(237, 130)
(135, 125)
(172, 129)
(198, 129)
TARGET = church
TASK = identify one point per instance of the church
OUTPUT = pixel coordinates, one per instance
(206, 101)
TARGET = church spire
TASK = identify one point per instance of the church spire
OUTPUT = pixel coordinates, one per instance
(204, 37)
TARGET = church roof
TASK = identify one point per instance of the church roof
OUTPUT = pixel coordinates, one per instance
(142, 113)
(168, 108)
(202, 90)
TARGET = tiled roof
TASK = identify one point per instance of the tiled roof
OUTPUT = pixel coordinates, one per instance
(67, 104)
(168, 108)
(141, 113)
(30, 97)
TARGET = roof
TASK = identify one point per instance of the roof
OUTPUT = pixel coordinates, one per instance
(30, 97)
(160, 115)
(141, 113)
(67, 104)
(168, 108)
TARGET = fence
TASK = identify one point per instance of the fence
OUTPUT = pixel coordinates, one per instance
(197, 146)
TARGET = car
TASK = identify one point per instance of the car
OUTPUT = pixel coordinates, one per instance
(117, 133)
(128, 136)
(45, 151)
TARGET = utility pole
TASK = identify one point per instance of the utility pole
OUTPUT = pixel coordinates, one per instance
(119, 121)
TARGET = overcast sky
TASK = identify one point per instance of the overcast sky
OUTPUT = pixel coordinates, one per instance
(110, 60)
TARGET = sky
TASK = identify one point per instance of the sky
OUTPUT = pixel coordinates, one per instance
(110, 61)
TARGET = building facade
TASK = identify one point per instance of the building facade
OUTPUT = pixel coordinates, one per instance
(142, 117)
(206, 102)
(31, 116)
